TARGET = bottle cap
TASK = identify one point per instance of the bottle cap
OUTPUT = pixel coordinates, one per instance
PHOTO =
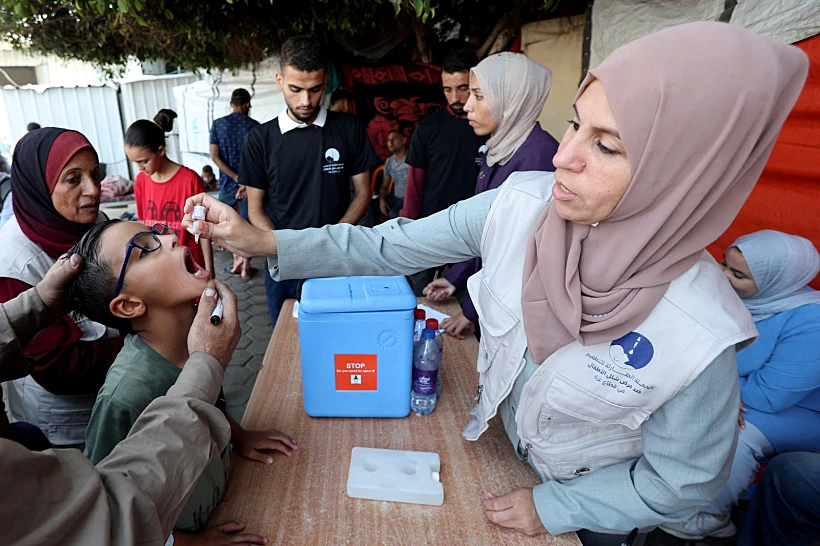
(199, 212)
(428, 333)
(432, 323)
(419, 314)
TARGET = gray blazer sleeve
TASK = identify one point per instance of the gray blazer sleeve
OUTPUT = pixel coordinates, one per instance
(396, 247)
(688, 446)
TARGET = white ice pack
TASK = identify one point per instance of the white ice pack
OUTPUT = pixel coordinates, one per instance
(394, 475)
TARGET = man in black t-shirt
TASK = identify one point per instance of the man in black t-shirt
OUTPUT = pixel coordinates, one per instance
(445, 153)
(298, 167)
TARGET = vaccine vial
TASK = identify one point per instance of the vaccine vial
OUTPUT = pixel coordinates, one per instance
(199, 214)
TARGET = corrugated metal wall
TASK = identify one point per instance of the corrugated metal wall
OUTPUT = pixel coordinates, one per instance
(94, 111)
(142, 99)
(101, 113)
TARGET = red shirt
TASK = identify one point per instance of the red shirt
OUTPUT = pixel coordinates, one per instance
(163, 203)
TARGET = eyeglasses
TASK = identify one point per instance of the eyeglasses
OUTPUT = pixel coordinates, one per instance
(147, 241)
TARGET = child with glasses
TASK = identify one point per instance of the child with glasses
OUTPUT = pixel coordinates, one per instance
(141, 281)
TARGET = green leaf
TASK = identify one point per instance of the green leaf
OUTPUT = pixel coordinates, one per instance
(419, 7)
(140, 20)
(169, 15)
(19, 9)
(138, 5)
(122, 5)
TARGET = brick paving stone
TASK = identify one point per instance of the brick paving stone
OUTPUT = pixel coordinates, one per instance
(240, 376)
(240, 357)
(259, 320)
(256, 290)
(258, 347)
(260, 333)
(258, 308)
(255, 363)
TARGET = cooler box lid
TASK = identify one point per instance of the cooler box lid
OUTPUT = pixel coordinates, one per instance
(356, 294)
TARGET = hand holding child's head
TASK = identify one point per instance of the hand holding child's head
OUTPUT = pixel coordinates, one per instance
(219, 340)
(52, 289)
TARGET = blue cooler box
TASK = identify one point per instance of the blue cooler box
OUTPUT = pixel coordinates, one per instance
(356, 336)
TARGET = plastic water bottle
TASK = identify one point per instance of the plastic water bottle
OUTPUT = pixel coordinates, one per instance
(433, 325)
(418, 325)
(426, 361)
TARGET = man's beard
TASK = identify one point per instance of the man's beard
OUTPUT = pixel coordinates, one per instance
(302, 117)
(458, 108)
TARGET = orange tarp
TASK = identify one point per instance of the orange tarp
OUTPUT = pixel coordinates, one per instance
(787, 197)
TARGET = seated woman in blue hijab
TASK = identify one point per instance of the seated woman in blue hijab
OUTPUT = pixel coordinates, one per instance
(779, 372)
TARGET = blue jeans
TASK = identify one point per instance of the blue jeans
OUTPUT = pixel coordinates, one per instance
(752, 445)
(229, 198)
(277, 292)
(785, 507)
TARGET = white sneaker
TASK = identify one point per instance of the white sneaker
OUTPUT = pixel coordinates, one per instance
(702, 525)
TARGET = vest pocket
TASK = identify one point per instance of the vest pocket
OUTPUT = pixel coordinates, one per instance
(591, 457)
(572, 400)
(496, 323)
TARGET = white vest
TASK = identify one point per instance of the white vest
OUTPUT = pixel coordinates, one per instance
(24, 260)
(583, 408)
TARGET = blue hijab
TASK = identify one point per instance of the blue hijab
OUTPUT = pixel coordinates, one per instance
(781, 266)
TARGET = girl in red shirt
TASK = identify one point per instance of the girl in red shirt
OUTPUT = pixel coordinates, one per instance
(162, 186)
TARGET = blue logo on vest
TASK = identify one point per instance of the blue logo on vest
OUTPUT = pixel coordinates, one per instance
(633, 350)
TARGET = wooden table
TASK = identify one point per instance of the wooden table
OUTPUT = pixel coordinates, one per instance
(303, 500)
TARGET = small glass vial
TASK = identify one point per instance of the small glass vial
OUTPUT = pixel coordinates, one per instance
(199, 214)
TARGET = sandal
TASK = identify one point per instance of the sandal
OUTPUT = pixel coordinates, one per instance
(227, 271)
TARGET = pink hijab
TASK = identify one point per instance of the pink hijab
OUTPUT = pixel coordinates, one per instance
(698, 107)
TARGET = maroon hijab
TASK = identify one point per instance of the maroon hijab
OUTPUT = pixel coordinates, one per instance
(39, 158)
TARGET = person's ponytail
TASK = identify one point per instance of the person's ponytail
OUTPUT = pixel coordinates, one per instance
(145, 133)
(165, 119)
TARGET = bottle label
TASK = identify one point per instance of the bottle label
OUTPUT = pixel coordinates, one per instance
(424, 381)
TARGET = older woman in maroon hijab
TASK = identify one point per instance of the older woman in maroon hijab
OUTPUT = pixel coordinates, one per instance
(55, 179)
(608, 333)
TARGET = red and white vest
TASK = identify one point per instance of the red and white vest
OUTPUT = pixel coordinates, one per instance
(24, 260)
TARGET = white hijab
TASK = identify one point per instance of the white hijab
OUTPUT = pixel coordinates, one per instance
(781, 266)
(515, 89)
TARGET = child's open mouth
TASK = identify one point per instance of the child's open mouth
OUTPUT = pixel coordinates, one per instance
(193, 268)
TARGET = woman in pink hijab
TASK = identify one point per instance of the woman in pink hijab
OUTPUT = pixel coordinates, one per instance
(608, 333)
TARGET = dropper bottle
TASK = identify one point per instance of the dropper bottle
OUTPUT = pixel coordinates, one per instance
(199, 214)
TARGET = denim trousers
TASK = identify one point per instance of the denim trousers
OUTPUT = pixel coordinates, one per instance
(785, 507)
(752, 446)
(277, 292)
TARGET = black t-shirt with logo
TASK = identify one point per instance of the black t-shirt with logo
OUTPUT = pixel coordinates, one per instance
(306, 172)
(451, 153)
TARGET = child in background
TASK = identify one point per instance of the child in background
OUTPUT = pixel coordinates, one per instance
(141, 281)
(162, 185)
(391, 200)
(209, 178)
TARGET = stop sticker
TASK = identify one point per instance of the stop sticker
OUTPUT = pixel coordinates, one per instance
(356, 372)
